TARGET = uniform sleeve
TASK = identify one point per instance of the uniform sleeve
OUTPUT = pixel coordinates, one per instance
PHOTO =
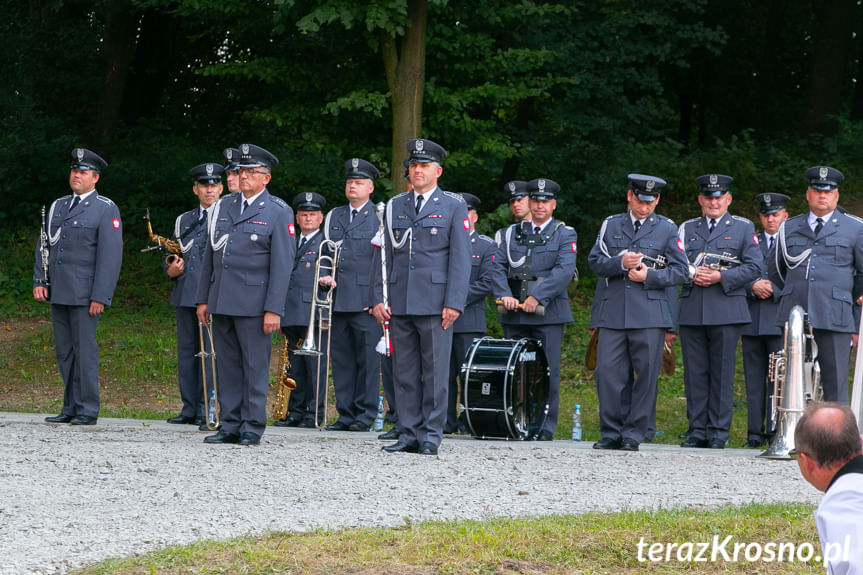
(676, 270)
(109, 255)
(558, 279)
(752, 262)
(283, 250)
(458, 267)
(491, 280)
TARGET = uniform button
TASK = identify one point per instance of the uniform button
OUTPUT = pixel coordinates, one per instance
(412, 267)
(226, 267)
(61, 249)
(230, 241)
(64, 236)
(59, 262)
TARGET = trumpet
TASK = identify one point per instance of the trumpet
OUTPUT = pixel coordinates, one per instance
(285, 384)
(322, 307)
(721, 262)
(212, 420)
(162, 243)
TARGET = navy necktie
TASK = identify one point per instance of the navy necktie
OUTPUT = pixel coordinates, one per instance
(819, 223)
(712, 225)
(245, 205)
(354, 214)
(419, 205)
(75, 203)
(637, 225)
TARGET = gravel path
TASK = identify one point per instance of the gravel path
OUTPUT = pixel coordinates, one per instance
(70, 496)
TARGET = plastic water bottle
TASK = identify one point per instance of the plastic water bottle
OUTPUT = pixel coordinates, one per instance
(379, 420)
(211, 409)
(576, 423)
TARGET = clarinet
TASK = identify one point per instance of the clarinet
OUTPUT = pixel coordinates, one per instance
(44, 252)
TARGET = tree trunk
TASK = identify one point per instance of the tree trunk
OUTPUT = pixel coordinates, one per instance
(827, 70)
(404, 61)
(118, 49)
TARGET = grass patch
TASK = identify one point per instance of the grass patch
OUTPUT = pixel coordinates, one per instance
(591, 543)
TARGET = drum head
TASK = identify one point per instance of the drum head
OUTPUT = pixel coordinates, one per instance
(505, 385)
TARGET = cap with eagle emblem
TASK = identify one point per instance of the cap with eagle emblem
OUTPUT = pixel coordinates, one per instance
(309, 202)
(359, 169)
(516, 189)
(771, 202)
(84, 159)
(646, 188)
(207, 173)
(252, 156)
(542, 189)
(713, 185)
(824, 178)
(424, 151)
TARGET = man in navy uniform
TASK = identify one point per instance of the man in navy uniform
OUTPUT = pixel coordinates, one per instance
(190, 231)
(356, 364)
(248, 264)
(428, 269)
(713, 310)
(85, 238)
(539, 259)
(633, 311)
(818, 261)
(485, 278)
(306, 370)
(519, 202)
(762, 336)
(232, 170)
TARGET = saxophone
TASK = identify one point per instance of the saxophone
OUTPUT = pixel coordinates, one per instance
(285, 384)
(162, 243)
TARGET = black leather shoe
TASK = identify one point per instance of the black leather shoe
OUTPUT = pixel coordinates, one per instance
(222, 437)
(357, 426)
(199, 421)
(62, 418)
(391, 434)
(716, 443)
(400, 447)
(753, 444)
(544, 435)
(203, 427)
(83, 420)
(685, 434)
(307, 424)
(692, 442)
(337, 426)
(289, 421)
(628, 444)
(607, 443)
(182, 419)
(249, 438)
(428, 448)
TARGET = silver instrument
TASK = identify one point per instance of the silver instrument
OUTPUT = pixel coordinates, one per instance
(721, 262)
(796, 379)
(44, 252)
(857, 385)
(211, 419)
(322, 309)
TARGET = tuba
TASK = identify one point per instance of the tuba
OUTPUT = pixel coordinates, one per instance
(796, 379)
(162, 243)
(284, 385)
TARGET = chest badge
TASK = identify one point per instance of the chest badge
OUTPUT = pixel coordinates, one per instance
(433, 231)
(254, 237)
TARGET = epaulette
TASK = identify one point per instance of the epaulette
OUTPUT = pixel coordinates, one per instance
(665, 219)
(400, 195)
(853, 217)
(741, 219)
(454, 195)
(692, 220)
(104, 199)
(486, 238)
(279, 201)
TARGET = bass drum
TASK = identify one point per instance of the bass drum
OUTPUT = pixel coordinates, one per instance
(505, 383)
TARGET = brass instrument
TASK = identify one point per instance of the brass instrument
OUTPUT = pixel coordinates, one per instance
(796, 379)
(322, 307)
(162, 243)
(44, 252)
(285, 384)
(721, 262)
(212, 419)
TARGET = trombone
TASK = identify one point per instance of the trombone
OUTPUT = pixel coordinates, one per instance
(212, 418)
(322, 306)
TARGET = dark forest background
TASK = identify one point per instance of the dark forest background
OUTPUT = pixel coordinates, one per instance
(582, 92)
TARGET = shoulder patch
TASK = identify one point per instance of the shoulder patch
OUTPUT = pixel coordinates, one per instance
(104, 199)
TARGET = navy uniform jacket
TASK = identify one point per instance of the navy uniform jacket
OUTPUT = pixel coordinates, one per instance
(723, 303)
(554, 262)
(624, 304)
(249, 257)
(827, 282)
(298, 306)
(430, 268)
(762, 311)
(86, 251)
(356, 254)
(194, 244)
(485, 278)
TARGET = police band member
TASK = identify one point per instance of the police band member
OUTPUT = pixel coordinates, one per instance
(190, 231)
(232, 170)
(485, 278)
(85, 251)
(636, 258)
(306, 370)
(762, 336)
(428, 269)
(355, 333)
(519, 202)
(713, 310)
(539, 259)
(248, 263)
(818, 262)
